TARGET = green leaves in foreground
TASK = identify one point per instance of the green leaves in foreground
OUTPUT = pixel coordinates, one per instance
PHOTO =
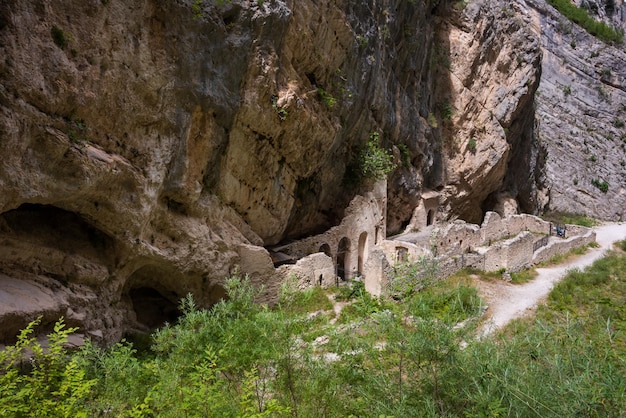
(418, 356)
(38, 381)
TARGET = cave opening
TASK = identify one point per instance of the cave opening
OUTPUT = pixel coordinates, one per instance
(152, 309)
(53, 227)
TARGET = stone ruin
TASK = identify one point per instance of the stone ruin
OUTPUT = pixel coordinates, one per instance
(358, 248)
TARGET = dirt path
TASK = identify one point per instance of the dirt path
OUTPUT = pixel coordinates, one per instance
(508, 301)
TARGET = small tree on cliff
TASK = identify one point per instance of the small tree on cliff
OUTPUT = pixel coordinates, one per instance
(375, 162)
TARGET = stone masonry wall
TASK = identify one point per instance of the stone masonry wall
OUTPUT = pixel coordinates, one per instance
(560, 246)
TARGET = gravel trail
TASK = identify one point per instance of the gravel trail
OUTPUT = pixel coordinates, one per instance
(508, 301)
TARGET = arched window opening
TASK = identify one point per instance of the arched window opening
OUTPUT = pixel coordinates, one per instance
(325, 248)
(362, 252)
(402, 254)
(430, 217)
(343, 258)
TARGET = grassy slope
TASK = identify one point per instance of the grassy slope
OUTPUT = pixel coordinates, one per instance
(378, 358)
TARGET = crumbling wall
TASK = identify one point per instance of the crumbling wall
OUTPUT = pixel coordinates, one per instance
(362, 228)
(560, 246)
(513, 254)
(458, 237)
(314, 270)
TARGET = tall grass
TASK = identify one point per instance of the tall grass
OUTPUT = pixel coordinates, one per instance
(415, 357)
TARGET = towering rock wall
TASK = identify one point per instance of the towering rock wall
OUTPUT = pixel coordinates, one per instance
(144, 144)
(581, 112)
(485, 92)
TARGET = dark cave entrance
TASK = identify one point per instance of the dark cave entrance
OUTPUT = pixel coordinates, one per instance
(152, 309)
(48, 226)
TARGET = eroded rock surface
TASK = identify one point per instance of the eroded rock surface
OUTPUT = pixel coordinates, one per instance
(581, 114)
(149, 148)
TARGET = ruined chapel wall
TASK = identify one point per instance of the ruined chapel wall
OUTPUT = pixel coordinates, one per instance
(525, 222)
(492, 228)
(447, 266)
(495, 228)
(458, 237)
(364, 215)
(313, 270)
(512, 254)
(559, 246)
(413, 252)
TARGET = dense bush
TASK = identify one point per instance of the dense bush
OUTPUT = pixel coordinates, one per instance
(374, 161)
(418, 356)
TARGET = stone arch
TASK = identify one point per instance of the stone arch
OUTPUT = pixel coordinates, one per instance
(343, 258)
(325, 248)
(362, 252)
(430, 217)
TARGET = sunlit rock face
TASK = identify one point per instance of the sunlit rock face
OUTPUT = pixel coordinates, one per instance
(581, 113)
(149, 148)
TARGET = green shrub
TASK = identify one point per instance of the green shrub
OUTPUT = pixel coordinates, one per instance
(54, 384)
(59, 37)
(326, 98)
(471, 145)
(523, 276)
(602, 185)
(375, 162)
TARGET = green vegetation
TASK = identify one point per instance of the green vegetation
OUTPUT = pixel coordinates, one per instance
(280, 111)
(582, 18)
(415, 356)
(523, 276)
(602, 185)
(77, 130)
(374, 161)
(432, 121)
(570, 218)
(405, 155)
(59, 37)
(471, 145)
(567, 90)
(326, 98)
(447, 111)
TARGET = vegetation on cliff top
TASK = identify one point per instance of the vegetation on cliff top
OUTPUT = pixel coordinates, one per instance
(580, 16)
(415, 357)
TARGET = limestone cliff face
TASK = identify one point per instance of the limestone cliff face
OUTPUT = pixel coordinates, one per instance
(148, 146)
(581, 114)
(485, 92)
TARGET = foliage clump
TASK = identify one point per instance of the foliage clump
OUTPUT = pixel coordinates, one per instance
(374, 161)
(581, 17)
(59, 37)
(418, 355)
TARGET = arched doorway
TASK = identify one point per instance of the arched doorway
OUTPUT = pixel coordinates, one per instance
(430, 217)
(325, 248)
(362, 252)
(343, 258)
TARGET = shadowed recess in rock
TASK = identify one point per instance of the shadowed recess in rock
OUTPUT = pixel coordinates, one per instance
(52, 227)
(152, 308)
